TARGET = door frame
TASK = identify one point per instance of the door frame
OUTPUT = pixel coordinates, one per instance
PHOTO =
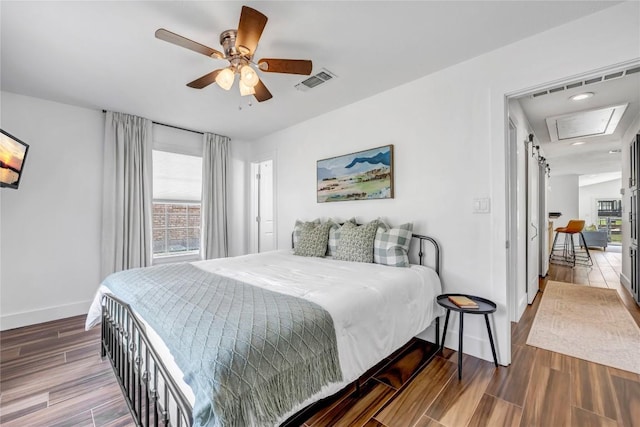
(513, 237)
(512, 214)
(253, 199)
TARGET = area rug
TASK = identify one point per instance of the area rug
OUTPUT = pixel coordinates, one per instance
(587, 323)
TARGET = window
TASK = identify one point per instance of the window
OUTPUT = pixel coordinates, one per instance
(177, 189)
(176, 228)
(610, 219)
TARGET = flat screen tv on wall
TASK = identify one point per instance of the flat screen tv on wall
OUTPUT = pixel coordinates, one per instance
(13, 153)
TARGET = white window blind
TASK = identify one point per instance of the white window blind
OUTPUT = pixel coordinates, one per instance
(176, 177)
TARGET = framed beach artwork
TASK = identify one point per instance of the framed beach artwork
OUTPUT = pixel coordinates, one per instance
(358, 176)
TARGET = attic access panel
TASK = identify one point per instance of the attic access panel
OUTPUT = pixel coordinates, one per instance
(601, 121)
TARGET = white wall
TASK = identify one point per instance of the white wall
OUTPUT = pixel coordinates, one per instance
(564, 196)
(590, 194)
(50, 226)
(449, 133)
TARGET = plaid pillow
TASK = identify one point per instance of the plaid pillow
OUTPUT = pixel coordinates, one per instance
(334, 236)
(391, 245)
(297, 229)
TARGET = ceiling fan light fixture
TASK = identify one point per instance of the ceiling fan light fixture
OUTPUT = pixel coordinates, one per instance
(248, 76)
(239, 46)
(246, 89)
(225, 78)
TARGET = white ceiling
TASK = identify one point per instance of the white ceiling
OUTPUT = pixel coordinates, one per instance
(593, 156)
(104, 55)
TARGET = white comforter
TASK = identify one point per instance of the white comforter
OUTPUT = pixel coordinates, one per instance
(375, 309)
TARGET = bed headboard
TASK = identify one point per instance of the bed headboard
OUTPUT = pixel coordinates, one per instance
(423, 243)
(419, 253)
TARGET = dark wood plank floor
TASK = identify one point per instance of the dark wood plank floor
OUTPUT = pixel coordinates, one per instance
(52, 375)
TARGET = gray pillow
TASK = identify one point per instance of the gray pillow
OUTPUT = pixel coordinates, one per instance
(313, 240)
(391, 245)
(356, 243)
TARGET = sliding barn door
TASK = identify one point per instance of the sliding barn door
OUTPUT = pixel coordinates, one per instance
(533, 224)
(543, 219)
(634, 210)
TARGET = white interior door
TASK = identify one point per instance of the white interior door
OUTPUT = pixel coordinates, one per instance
(533, 225)
(266, 238)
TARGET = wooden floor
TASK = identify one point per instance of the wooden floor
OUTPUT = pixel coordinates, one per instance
(51, 375)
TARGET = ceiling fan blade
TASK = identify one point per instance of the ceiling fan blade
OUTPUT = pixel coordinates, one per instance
(262, 93)
(205, 80)
(289, 66)
(250, 29)
(178, 40)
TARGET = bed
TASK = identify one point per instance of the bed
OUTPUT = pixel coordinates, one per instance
(373, 310)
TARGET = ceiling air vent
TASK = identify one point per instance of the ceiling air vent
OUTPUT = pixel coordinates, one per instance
(616, 75)
(316, 80)
(633, 70)
(593, 80)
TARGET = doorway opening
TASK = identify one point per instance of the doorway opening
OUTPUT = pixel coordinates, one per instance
(567, 150)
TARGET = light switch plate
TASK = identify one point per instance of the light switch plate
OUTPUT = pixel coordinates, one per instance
(482, 205)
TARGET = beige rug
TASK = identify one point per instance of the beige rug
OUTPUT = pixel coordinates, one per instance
(587, 323)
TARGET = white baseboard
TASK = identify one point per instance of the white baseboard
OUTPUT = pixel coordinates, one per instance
(522, 305)
(478, 347)
(26, 318)
(625, 281)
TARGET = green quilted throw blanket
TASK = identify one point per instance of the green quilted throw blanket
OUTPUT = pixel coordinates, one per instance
(249, 354)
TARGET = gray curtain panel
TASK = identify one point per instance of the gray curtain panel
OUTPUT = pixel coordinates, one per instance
(127, 193)
(215, 160)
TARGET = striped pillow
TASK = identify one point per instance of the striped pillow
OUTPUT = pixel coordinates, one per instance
(391, 245)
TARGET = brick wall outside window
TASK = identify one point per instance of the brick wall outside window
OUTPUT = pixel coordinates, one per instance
(176, 228)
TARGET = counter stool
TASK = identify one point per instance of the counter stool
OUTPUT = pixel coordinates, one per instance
(565, 252)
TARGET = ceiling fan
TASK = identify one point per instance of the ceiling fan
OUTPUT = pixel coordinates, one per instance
(239, 47)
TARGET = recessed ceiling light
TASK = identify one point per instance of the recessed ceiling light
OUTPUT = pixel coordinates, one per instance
(581, 96)
(578, 143)
(616, 151)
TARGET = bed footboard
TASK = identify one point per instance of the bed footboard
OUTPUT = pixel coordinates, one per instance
(151, 394)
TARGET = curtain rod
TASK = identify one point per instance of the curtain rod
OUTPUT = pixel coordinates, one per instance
(171, 126)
